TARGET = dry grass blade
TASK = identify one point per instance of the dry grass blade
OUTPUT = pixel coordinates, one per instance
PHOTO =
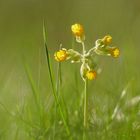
(122, 96)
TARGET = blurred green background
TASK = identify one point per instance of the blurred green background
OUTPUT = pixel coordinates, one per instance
(21, 24)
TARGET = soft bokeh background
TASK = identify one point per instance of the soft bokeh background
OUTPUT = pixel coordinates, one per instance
(21, 24)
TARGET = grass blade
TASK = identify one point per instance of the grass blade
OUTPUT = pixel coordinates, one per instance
(52, 83)
(33, 87)
(123, 94)
(35, 92)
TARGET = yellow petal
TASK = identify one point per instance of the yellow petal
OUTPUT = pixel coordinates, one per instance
(60, 55)
(115, 52)
(107, 40)
(91, 75)
(77, 29)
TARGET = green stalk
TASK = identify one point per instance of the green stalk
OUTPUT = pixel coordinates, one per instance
(85, 109)
(85, 96)
(57, 93)
(85, 104)
(85, 90)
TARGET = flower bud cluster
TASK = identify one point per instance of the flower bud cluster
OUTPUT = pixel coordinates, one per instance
(88, 66)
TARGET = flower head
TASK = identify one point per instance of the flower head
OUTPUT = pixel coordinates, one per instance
(77, 30)
(61, 55)
(107, 40)
(115, 52)
(102, 47)
(91, 74)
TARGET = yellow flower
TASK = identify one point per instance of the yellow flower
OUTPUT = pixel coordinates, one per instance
(61, 55)
(77, 30)
(115, 52)
(107, 40)
(91, 74)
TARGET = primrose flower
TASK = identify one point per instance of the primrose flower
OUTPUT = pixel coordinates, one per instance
(115, 52)
(107, 40)
(91, 74)
(61, 55)
(87, 57)
(77, 30)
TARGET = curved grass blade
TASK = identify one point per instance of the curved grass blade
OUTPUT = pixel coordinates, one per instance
(52, 82)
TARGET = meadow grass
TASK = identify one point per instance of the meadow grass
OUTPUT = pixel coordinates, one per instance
(112, 107)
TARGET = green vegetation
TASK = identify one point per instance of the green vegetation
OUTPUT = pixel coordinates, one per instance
(41, 99)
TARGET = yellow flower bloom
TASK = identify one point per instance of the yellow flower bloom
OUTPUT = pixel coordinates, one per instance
(107, 40)
(115, 52)
(61, 55)
(91, 74)
(77, 30)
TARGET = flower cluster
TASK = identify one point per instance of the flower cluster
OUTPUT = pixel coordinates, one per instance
(88, 67)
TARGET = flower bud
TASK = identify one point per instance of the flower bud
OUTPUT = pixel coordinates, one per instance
(61, 55)
(107, 40)
(77, 30)
(91, 74)
(115, 52)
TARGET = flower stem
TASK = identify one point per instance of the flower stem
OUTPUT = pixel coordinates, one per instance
(85, 104)
(85, 110)
(84, 50)
(85, 90)
(85, 96)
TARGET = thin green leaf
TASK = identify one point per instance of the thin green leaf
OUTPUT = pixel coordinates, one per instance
(52, 83)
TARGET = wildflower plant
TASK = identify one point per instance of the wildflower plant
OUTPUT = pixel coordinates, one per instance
(88, 66)
(88, 70)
